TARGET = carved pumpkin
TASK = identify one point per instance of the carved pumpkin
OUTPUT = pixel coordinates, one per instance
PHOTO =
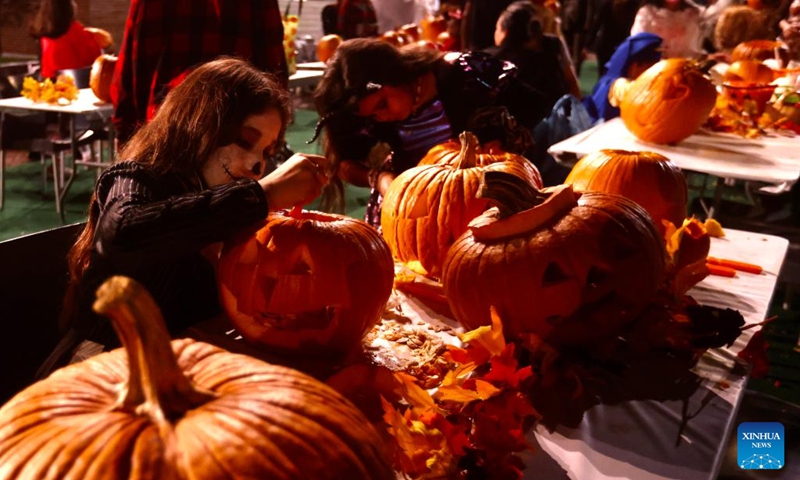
(182, 410)
(327, 47)
(306, 283)
(647, 178)
(101, 75)
(427, 207)
(668, 102)
(749, 71)
(569, 268)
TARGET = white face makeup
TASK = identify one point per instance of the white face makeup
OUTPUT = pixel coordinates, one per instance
(246, 156)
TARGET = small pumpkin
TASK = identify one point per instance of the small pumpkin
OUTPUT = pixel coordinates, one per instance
(647, 178)
(327, 46)
(395, 38)
(749, 71)
(101, 75)
(432, 26)
(427, 207)
(102, 37)
(758, 50)
(186, 409)
(566, 267)
(412, 31)
(306, 283)
(668, 102)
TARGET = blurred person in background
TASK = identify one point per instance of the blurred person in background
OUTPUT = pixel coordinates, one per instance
(64, 42)
(478, 22)
(165, 39)
(677, 22)
(610, 25)
(357, 19)
(542, 61)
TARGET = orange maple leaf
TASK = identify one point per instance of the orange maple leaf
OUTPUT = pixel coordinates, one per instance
(500, 423)
(504, 371)
(488, 337)
(415, 395)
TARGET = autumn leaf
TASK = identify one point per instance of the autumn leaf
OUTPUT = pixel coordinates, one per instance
(504, 371)
(500, 422)
(413, 393)
(471, 391)
(490, 337)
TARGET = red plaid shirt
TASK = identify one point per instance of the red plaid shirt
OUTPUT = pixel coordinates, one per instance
(164, 38)
(357, 18)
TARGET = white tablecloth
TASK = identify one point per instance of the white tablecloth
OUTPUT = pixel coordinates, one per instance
(87, 103)
(639, 440)
(770, 159)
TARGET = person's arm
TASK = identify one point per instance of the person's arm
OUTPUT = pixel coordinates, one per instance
(136, 223)
(568, 69)
(643, 21)
(130, 87)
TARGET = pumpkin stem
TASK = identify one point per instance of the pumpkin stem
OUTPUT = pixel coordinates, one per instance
(509, 193)
(156, 386)
(468, 156)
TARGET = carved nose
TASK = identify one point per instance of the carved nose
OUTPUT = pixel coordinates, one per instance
(257, 168)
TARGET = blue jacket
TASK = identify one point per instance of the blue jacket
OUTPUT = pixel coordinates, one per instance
(641, 47)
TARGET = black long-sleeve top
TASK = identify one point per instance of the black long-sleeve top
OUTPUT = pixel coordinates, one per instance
(152, 227)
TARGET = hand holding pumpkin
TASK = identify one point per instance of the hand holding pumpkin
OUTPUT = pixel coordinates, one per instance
(298, 180)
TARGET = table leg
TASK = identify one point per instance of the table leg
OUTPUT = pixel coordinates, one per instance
(717, 198)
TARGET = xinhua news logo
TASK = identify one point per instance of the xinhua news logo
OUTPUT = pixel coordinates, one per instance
(760, 446)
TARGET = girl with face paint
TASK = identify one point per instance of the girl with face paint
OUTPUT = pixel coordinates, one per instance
(187, 180)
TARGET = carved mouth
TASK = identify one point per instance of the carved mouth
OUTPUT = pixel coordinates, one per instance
(319, 319)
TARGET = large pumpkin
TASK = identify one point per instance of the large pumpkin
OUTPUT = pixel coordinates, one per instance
(749, 71)
(647, 178)
(101, 75)
(427, 207)
(185, 410)
(306, 283)
(668, 102)
(569, 268)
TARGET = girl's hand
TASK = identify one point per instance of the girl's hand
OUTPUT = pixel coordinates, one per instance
(298, 180)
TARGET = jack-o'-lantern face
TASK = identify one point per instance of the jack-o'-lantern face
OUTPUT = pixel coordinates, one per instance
(308, 283)
(570, 270)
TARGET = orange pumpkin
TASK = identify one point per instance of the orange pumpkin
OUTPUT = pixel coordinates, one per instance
(449, 153)
(565, 267)
(668, 102)
(758, 50)
(102, 37)
(749, 71)
(432, 27)
(186, 409)
(327, 46)
(101, 75)
(412, 31)
(647, 178)
(306, 283)
(427, 207)
(395, 38)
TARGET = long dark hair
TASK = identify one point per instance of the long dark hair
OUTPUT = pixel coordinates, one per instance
(358, 65)
(521, 24)
(201, 114)
(52, 19)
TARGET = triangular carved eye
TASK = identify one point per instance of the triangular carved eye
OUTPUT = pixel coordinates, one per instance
(595, 277)
(300, 268)
(553, 274)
